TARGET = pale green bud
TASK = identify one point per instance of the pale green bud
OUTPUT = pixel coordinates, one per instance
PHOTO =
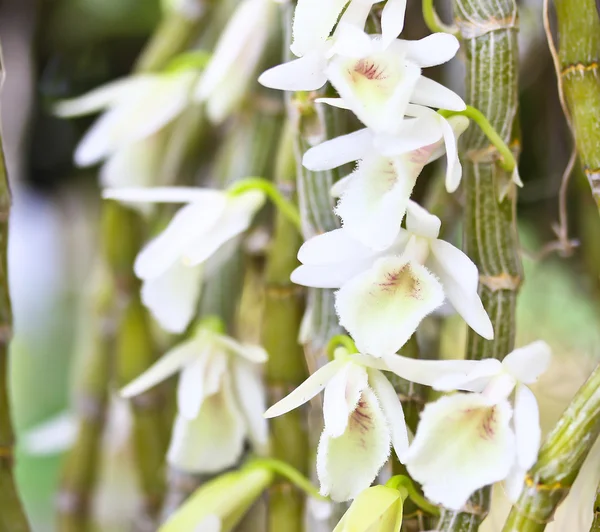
(376, 509)
(224, 500)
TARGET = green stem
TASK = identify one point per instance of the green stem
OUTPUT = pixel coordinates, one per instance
(433, 21)
(489, 30)
(402, 481)
(12, 515)
(559, 460)
(285, 206)
(579, 56)
(79, 473)
(291, 474)
(507, 161)
(340, 340)
(286, 367)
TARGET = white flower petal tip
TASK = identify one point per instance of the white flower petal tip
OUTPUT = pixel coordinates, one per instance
(392, 20)
(527, 363)
(462, 444)
(303, 74)
(433, 94)
(382, 307)
(365, 444)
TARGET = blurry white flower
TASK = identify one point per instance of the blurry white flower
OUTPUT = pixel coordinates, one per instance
(171, 265)
(220, 400)
(373, 199)
(225, 81)
(135, 108)
(384, 295)
(467, 441)
(363, 418)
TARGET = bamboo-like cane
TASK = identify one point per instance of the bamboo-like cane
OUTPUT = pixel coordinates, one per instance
(559, 460)
(12, 515)
(579, 56)
(489, 32)
(82, 463)
(286, 367)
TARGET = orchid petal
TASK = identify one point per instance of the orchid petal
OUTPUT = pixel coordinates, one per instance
(514, 483)
(459, 277)
(172, 297)
(166, 366)
(373, 204)
(420, 222)
(306, 391)
(313, 22)
(304, 74)
(341, 397)
(214, 440)
(329, 275)
(235, 219)
(365, 444)
(251, 397)
(392, 20)
(351, 41)
(528, 432)
(433, 94)
(106, 95)
(382, 307)
(432, 372)
(333, 247)
(334, 102)
(459, 125)
(338, 151)
(392, 410)
(435, 49)
(527, 363)
(453, 168)
(412, 134)
(338, 188)
(462, 444)
(252, 353)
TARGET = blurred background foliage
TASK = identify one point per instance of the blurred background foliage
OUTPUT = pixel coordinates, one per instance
(60, 48)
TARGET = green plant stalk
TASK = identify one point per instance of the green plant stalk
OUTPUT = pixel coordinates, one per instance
(122, 236)
(80, 470)
(489, 32)
(579, 55)
(12, 515)
(286, 367)
(559, 460)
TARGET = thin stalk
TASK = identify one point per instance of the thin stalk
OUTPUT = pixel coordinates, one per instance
(559, 460)
(489, 32)
(80, 470)
(12, 515)
(286, 367)
(579, 55)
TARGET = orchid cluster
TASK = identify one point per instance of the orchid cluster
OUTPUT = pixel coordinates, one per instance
(387, 262)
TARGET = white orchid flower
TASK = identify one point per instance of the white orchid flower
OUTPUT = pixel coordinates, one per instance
(375, 81)
(171, 265)
(374, 198)
(314, 20)
(363, 418)
(384, 295)
(135, 108)
(220, 399)
(425, 128)
(467, 441)
(225, 81)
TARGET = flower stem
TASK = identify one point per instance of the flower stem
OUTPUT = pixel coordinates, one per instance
(286, 367)
(507, 161)
(579, 51)
(290, 473)
(81, 465)
(559, 460)
(433, 21)
(12, 515)
(340, 340)
(402, 481)
(285, 206)
(489, 31)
